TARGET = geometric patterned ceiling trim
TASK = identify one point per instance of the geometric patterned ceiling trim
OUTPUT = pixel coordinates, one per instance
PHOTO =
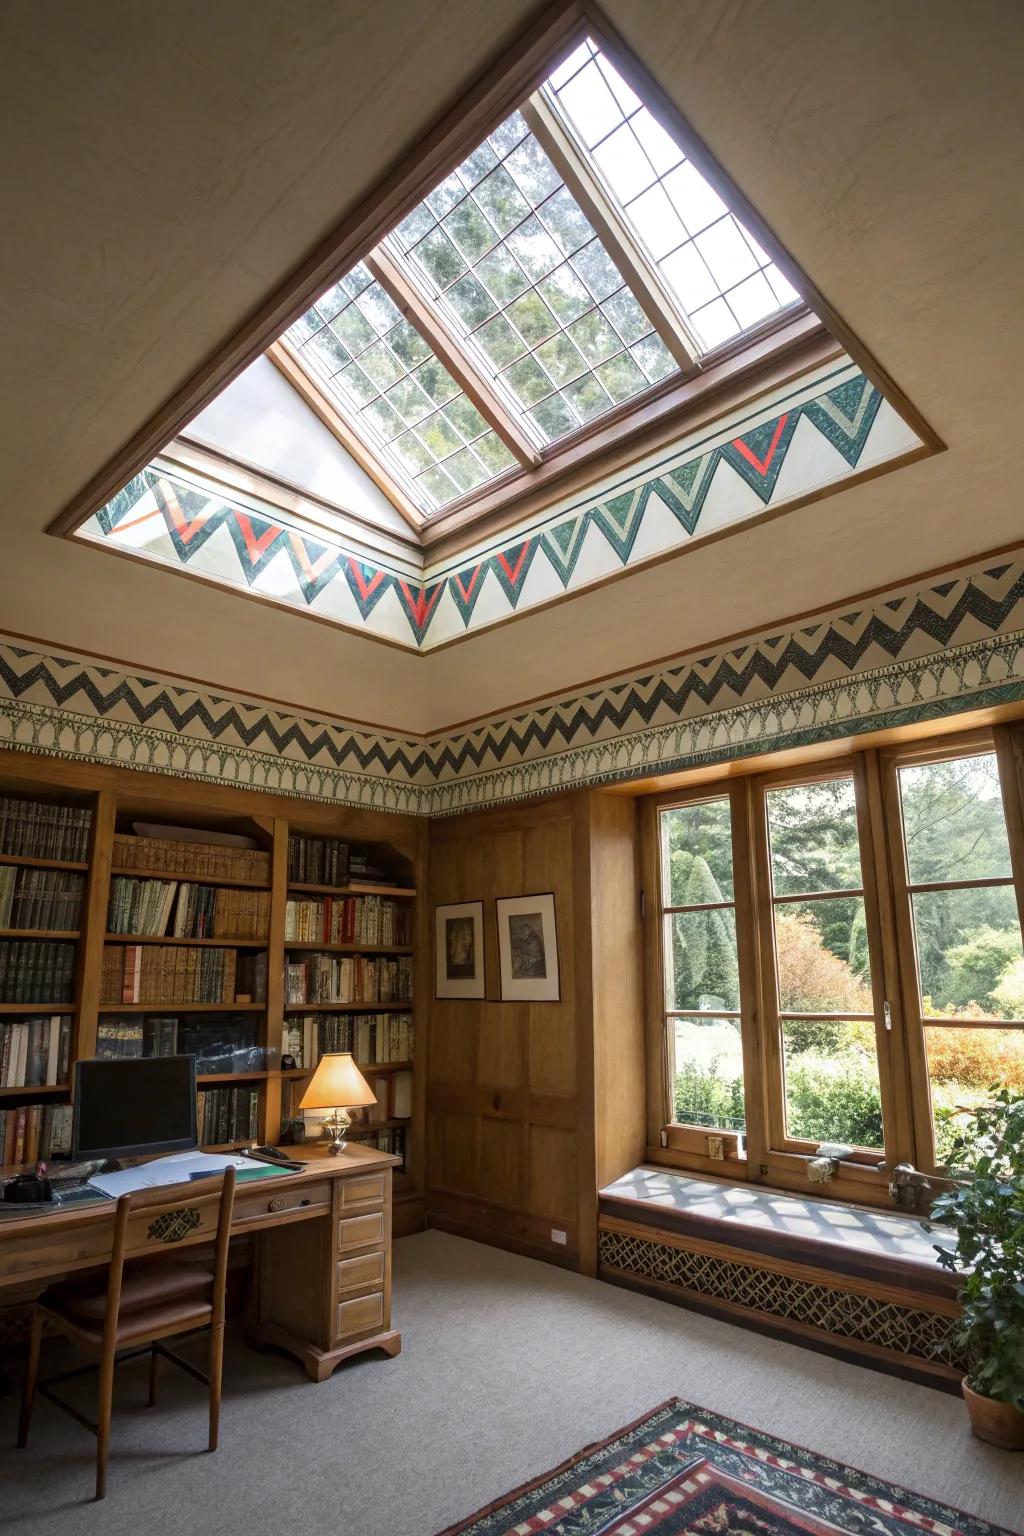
(806, 438)
(920, 652)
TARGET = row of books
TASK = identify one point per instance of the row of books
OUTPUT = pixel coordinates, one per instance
(393, 1140)
(376, 1038)
(228, 1114)
(35, 1051)
(317, 860)
(348, 920)
(182, 910)
(229, 1045)
(349, 979)
(32, 829)
(36, 971)
(184, 858)
(34, 1131)
(40, 898)
(150, 973)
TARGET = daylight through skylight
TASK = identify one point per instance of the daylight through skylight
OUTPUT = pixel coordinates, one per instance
(722, 279)
(575, 259)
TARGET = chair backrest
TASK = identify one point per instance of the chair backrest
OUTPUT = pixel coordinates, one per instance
(173, 1207)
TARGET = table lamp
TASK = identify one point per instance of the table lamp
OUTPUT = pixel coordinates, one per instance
(337, 1085)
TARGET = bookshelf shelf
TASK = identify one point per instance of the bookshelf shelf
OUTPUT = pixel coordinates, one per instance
(349, 949)
(177, 874)
(352, 890)
(364, 1007)
(233, 1077)
(146, 938)
(169, 1008)
(36, 1008)
(23, 861)
(39, 933)
(32, 1089)
(367, 1068)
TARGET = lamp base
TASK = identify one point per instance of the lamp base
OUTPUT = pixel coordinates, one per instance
(334, 1128)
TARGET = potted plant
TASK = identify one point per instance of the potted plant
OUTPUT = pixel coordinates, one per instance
(985, 1209)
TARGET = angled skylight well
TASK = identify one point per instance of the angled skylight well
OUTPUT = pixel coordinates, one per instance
(575, 262)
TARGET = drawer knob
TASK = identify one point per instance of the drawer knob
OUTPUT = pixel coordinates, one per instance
(278, 1203)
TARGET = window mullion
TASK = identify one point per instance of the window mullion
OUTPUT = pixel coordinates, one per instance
(477, 387)
(640, 274)
(747, 955)
(1009, 746)
(890, 1032)
(906, 991)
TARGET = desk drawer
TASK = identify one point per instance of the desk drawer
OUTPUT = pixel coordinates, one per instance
(261, 1201)
(359, 1314)
(360, 1231)
(367, 1189)
(358, 1273)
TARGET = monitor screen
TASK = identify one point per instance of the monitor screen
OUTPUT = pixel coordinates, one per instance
(130, 1108)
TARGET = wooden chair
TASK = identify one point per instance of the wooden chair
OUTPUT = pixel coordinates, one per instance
(131, 1308)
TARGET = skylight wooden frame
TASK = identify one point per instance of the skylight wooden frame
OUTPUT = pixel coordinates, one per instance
(519, 68)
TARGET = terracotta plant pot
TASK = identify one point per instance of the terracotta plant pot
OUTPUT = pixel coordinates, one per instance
(997, 1423)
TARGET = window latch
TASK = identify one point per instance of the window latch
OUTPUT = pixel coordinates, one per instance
(887, 1015)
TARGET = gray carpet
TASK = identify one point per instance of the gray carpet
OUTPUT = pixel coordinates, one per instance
(508, 1367)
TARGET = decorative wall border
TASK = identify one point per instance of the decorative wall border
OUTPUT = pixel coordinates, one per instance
(921, 653)
(806, 438)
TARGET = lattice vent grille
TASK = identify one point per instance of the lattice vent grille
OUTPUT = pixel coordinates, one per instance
(904, 1330)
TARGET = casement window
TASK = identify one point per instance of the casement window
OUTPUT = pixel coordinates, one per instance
(836, 957)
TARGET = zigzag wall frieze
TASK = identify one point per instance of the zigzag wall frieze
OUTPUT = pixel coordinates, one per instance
(165, 516)
(920, 654)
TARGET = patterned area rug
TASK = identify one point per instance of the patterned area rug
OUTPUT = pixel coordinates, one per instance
(681, 1471)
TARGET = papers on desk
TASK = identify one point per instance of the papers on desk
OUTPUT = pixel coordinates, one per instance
(176, 1169)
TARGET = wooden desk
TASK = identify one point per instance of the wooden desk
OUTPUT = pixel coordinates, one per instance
(322, 1278)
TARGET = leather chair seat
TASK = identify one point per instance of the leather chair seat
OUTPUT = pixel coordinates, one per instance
(151, 1292)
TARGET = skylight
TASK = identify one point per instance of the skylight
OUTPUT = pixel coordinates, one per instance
(722, 279)
(506, 251)
(572, 262)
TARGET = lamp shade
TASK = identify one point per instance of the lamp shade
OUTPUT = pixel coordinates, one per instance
(337, 1083)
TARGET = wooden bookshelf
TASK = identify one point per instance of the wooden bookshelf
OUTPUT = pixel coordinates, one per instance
(118, 799)
(349, 949)
(405, 1007)
(26, 861)
(193, 879)
(166, 939)
(351, 890)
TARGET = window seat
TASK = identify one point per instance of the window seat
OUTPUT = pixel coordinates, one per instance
(861, 1284)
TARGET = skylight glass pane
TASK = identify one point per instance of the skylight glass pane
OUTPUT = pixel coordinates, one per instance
(515, 267)
(396, 392)
(722, 280)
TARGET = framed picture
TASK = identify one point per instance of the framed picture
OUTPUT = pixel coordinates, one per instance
(528, 949)
(459, 950)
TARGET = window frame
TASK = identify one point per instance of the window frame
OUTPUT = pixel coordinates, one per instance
(773, 1157)
(1005, 742)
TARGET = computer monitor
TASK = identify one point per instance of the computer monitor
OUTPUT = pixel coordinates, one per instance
(135, 1108)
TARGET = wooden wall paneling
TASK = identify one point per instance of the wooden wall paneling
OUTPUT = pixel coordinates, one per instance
(617, 986)
(93, 925)
(503, 1124)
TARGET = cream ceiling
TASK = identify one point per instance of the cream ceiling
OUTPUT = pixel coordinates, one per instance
(166, 166)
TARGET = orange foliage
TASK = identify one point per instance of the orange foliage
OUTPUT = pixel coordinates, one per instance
(811, 977)
(976, 1058)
